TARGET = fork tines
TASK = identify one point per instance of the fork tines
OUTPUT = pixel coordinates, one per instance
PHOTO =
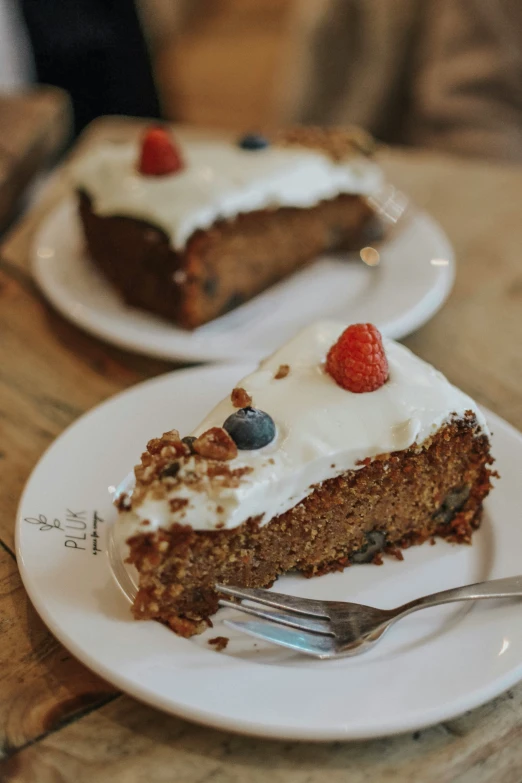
(302, 613)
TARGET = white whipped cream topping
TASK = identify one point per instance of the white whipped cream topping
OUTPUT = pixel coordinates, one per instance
(220, 180)
(322, 430)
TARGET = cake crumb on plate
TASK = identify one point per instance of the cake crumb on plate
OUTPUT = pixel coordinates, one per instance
(219, 642)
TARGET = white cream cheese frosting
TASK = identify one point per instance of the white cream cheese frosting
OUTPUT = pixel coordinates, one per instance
(322, 431)
(219, 180)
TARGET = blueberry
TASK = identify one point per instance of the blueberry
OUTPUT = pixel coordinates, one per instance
(253, 141)
(375, 543)
(452, 503)
(250, 428)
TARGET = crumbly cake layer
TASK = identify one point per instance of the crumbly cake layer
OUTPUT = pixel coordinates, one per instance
(392, 502)
(224, 266)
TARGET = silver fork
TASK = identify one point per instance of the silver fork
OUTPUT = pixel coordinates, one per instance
(336, 629)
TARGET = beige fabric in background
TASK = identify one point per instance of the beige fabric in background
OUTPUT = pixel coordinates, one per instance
(437, 73)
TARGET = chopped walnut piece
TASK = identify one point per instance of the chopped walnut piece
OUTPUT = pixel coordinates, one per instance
(219, 642)
(169, 441)
(176, 504)
(154, 446)
(215, 443)
(240, 398)
(172, 436)
(282, 372)
(173, 441)
(338, 143)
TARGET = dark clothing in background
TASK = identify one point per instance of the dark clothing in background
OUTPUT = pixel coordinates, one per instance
(94, 49)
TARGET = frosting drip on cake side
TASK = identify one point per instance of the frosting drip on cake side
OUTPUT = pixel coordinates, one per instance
(322, 431)
(219, 180)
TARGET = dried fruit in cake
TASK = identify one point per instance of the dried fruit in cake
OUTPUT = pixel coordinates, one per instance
(159, 155)
(250, 428)
(189, 441)
(357, 361)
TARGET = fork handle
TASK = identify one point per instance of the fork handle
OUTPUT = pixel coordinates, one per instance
(496, 588)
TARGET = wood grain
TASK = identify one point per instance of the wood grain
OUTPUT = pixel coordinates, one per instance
(34, 126)
(41, 685)
(125, 742)
(50, 372)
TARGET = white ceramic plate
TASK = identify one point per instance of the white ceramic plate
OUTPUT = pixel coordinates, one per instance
(399, 295)
(430, 667)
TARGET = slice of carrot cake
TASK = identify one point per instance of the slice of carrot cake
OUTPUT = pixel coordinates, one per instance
(339, 447)
(191, 229)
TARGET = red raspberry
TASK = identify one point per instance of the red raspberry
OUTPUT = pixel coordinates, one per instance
(357, 361)
(159, 155)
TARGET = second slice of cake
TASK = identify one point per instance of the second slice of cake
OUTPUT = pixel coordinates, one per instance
(296, 471)
(190, 230)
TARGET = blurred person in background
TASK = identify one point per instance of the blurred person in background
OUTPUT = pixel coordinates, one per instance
(436, 73)
(95, 49)
(433, 73)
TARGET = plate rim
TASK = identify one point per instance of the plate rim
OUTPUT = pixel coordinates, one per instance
(398, 327)
(476, 698)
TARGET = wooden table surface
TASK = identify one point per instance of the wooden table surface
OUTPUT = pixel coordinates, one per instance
(60, 722)
(34, 127)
